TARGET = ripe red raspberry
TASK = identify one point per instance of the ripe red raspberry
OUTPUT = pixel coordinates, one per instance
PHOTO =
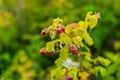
(63, 29)
(73, 51)
(70, 79)
(58, 31)
(73, 48)
(43, 32)
(42, 51)
(49, 53)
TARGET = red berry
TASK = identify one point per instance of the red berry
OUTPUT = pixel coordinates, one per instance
(43, 33)
(70, 79)
(58, 31)
(63, 29)
(42, 51)
(49, 53)
(73, 48)
(73, 51)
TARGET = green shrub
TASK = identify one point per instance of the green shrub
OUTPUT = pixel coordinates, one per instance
(71, 43)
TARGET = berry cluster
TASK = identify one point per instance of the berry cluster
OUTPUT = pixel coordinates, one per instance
(72, 49)
(68, 40)
(58, 29)
(43, 51)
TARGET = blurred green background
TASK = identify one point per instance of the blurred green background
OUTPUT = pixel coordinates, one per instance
(21, 22)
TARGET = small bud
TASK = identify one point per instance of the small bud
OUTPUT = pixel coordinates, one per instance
(58, 31)
(63, 29)
(73, 48)
(97, 15)
(43, 32)
(49, 53)
(70, 79)
(73, 51)
(42, 51)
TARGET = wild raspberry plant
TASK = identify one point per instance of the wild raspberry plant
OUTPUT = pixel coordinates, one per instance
(72, 43)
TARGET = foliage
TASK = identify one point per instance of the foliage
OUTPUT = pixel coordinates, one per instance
(113, 71)
(22, 20)
(68, 41)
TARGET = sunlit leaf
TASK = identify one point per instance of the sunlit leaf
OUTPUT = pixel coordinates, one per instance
(52, 34)
(65, 40)
(88, 16)
(88, 39)
(77, 40)
(50, 46)
(103, 61)
(59, 62)
(68, 29)
(92, 22)
(83, 75)
(83, 24)
(57, 73)
(112, 68)
(72, 72)
(64, 53)
(102, 70)
(57, 21)
(79, 32)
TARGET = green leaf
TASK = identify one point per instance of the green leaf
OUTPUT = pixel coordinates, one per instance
(59, 62)
(60, 73)
(68, 29)
(64, 53)
(88, 39)
(88, 16)
(83, 75)
(88, 58)
(72, 72)
(57, 73)
(91, 19)
(118, 75)
(53, 72)
(106, 62)
(62, 35)
(109, 78)
(92, 22)
(65, 40)
(52, 34)
(50, 46)
(84, 46)
(77, 40)
(79, 32)
(96, 70)
(112, 68)
(6, 56)
(102, 70)
(83, 24)
(117, 45)
(86, 64)
(57, 21)
(103, 61)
